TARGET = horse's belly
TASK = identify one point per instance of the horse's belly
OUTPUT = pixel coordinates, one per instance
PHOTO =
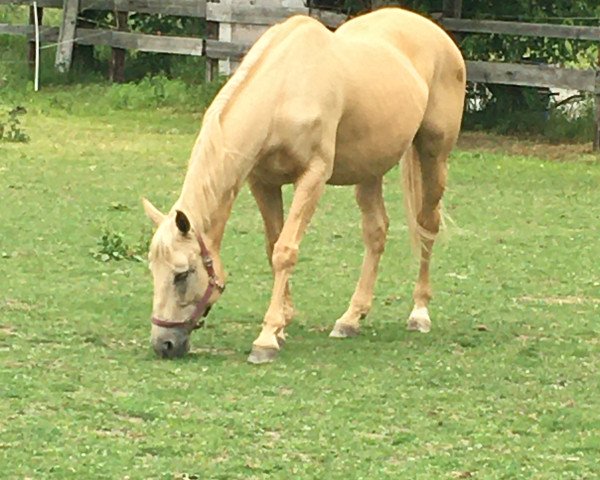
(377, 126)
(370, 150)
(355, 168)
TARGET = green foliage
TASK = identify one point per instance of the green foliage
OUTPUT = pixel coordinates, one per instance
(140, 64)
(150, 91)
(567, 124)
(11, 129)
(160, 91)
(508, 109)
(112, 246)
(529, 111)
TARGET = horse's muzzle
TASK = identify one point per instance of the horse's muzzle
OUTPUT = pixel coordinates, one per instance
(171, 343)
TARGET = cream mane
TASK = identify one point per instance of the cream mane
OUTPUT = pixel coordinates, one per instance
(209, 176)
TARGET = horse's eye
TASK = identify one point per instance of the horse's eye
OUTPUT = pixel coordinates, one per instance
(181, 276)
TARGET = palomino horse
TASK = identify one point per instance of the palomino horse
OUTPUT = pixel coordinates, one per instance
(311, 107)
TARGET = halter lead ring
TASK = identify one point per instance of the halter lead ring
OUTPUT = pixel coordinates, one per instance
(202, 307)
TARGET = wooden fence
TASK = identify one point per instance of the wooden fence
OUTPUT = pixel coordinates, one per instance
(233, 26)
(548, 76)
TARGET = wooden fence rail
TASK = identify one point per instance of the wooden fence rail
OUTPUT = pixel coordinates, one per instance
(532, 75)
(521, 29)
(183, 8)
(47, 34)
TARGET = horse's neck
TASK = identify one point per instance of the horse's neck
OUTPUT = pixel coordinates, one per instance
(222, 158)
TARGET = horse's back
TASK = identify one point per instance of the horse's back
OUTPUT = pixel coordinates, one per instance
(429, 48)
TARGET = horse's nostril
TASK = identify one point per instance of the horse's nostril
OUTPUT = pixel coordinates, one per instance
(167, 345)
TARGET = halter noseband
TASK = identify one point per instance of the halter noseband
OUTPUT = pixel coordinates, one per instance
(202, 308)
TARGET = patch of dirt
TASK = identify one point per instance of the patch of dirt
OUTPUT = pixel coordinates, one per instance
(215, 351)
(530, 147)
(118, 432)
(556, 300)
(7, 330)
(131, 418)
(461, 474)
(14, 305)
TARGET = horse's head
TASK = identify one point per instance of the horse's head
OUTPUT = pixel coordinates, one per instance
(185, 282)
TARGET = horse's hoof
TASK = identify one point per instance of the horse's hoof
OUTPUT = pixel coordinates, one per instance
(280, 341)
(344, 330)
(260, 355)
(419, 324)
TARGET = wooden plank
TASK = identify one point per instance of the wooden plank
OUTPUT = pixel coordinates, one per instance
(522, 29)
(452, 8)
(531, 75)
(32, 49)
(212, 64)
(596, 144)
(116, 70)
(125, 40)
(260, 15)
(47, 34)
(221, 50)
(330, 19)
(40, 3)
(184, 8)
(250, 14)
(66, 36)
(140, 41)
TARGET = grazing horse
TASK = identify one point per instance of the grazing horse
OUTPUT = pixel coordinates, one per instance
(311, 107)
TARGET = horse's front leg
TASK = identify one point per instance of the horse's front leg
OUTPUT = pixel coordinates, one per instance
(270, 203)
(369, 197)
(309, 189)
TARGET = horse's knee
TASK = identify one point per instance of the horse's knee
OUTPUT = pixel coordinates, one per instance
(284, 257)
(375, 236)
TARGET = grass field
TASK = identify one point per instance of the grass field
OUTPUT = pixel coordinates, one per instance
(506, 385)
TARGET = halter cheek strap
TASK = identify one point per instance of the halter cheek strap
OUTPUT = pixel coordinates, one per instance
(202, 307)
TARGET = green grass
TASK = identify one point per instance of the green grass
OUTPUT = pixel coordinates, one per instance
(506, 385)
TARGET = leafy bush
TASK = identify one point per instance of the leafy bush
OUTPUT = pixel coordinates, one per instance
(142, 64)
(11, 129)
(508, 109)
(112, 246)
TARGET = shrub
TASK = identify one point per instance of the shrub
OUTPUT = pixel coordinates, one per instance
(11, 129)
(112, 246)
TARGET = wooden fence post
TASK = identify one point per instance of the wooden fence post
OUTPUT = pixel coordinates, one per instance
(66, 36)
(31, 54)
(117, 61)
(212, 65)
(596, 146)
(453, 9)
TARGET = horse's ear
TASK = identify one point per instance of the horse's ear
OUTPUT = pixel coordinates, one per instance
(182, 222)
(153, 213)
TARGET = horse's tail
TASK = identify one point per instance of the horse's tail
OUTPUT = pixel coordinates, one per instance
(412, 182)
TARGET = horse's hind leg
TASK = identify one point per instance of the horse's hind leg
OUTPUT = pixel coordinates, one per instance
(431, 151)
(375, 223)
(270, 203)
